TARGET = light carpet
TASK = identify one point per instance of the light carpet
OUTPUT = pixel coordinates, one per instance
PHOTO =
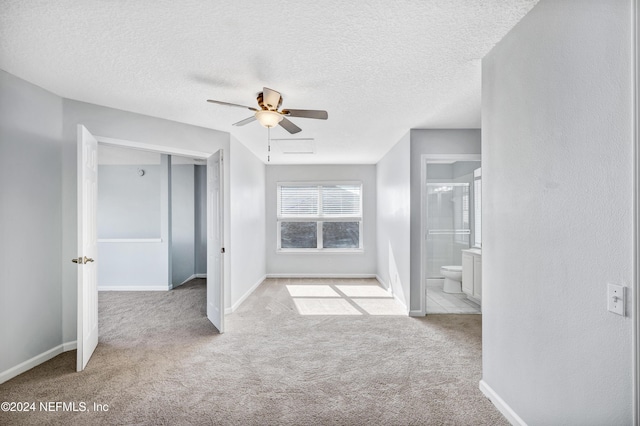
(160, 361)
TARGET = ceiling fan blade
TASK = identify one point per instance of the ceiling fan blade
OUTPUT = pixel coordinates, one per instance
(289, 126)
(245, 121)
(270, 98)
(306, 113)
(230, 104)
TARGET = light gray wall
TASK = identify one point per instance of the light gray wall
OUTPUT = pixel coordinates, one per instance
(131, 207)
(113, 123)
(558, 213)
(200, 189)
(183, 228)
(247, 249)
(428, 141)
(30, 221)
(323, 263)
(127, 265)
(393, 227)
(128, 204)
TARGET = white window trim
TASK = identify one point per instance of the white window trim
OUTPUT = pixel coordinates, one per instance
(319, 219)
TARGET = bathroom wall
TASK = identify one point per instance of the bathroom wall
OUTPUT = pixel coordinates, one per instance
(558, 185)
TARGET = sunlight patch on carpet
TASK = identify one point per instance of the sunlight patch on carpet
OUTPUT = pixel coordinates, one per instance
(363, 291)
(311, 291)
(325, 307)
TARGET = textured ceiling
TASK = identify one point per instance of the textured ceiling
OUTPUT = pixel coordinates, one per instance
(378, 67)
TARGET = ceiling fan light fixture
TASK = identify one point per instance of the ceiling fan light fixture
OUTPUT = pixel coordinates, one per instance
(268, 118)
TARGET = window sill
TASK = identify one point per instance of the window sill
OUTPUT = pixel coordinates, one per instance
(319, 251)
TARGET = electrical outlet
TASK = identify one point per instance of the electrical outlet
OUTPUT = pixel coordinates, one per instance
(616, 299)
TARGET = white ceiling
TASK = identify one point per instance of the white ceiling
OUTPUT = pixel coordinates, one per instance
(379, 67)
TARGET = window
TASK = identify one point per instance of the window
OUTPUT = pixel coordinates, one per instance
(477, 207)
(320, 216)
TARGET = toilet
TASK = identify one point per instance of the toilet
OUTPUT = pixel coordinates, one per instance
(452, 278)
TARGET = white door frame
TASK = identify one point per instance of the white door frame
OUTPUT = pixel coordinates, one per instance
(635, 308)
(215, 233)
(424, 159)
(162, 149)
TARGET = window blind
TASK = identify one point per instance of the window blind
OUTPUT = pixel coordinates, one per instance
(320, 200)
(341, 200)
(298, 201)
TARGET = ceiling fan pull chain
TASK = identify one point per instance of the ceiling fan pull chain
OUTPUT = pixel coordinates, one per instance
(269, 144)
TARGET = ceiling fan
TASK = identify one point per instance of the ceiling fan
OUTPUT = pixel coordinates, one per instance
(268, 115)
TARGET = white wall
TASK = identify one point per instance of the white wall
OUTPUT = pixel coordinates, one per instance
(393, 227)
(439, 142)
(125, 199)
(248, 262)
(183, 228)
(118, 124)
(128, 204)
(129, 208)
(558, 213)
(30, 222)
(363, 263)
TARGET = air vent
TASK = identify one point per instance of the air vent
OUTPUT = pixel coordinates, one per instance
(296, 146)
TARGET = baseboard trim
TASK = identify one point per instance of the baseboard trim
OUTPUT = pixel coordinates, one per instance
(321, 276)
(35, 361)
(244, 296)
(384, 284)
(192, 277)
(416, 313)
(395, 297)
(201, 275)
(133, 288)
(502, 406)
(389, 289)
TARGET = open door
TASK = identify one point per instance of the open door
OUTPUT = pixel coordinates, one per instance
(215, 245)
(87, 246)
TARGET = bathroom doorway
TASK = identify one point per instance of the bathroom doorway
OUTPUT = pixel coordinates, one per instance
(451, 256)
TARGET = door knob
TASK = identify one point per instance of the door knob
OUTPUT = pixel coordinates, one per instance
(77, 260)
(87, 259)
(81, 261)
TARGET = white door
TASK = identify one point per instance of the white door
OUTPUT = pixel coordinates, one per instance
(215, 244)
(87, 246)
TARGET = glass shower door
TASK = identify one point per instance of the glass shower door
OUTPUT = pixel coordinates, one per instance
(448, 225)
